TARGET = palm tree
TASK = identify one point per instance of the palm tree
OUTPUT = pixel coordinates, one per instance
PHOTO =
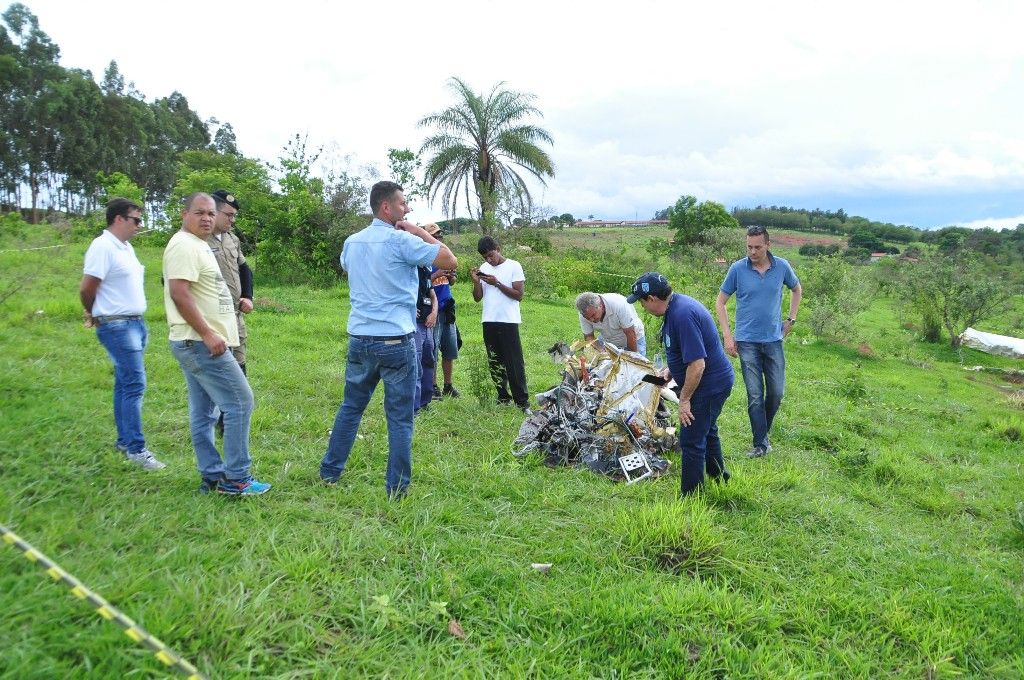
(478, 141)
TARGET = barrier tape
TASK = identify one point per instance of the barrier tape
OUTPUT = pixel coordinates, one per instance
(103, 608)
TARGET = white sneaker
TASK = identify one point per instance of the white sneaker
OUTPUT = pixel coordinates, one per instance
(146, 460)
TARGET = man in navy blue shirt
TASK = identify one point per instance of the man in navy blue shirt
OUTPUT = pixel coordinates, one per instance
(757, 281)
(696, 361)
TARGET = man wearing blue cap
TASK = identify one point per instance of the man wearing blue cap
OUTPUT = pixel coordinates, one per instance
(696, 361)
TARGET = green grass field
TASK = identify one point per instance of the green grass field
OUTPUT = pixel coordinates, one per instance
(877, 540)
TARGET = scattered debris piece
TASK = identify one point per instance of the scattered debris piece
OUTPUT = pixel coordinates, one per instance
(541, 567)
(990, 343)
(608, 414)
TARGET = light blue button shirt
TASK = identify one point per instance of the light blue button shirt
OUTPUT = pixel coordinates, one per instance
(381, 264)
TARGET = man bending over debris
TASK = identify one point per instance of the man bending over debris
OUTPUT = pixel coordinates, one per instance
(695, 360)
(614, 318)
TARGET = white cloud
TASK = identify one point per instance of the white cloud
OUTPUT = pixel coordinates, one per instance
(996, 223)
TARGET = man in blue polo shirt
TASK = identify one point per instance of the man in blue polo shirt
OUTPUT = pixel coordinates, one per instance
(757, 281)
(695, 361)
(381, 262)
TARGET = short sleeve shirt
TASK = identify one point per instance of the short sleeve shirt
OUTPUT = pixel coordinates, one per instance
(618, 316)
(499, 307)
(113, 262)
(688, 334)
(759, 298)
(189, 257)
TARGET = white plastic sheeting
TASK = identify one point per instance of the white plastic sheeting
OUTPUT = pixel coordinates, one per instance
(990, 343)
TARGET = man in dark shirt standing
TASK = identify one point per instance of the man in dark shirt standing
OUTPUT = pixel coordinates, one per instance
(697, 362)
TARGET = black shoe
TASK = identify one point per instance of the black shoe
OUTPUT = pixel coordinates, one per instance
(209, 485)
(329, 481)
(450, 391)
(436, 396)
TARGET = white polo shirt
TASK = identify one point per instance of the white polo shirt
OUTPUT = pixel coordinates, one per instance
(113, 262)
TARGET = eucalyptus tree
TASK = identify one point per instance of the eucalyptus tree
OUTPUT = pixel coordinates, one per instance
(478, 144)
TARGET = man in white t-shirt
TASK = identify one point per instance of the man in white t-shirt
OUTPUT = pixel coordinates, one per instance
(614, 318)
(114, 301)
(201, 318)
(499, 282)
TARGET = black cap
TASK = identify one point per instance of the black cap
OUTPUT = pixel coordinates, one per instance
(222, 196)
(651, 283)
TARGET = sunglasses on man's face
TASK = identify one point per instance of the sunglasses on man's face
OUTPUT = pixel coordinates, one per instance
(136, 220)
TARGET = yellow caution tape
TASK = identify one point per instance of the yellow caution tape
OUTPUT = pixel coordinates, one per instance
(103, 608)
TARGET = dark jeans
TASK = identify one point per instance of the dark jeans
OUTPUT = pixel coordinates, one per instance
(701, 448)
(369, 362)
(125, 342)
(426, 366)
(764, 374)
(505, 355)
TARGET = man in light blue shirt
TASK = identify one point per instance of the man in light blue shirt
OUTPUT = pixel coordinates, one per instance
(381, 262)
(757, 281)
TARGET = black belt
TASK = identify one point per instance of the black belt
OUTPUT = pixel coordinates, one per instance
(381, 338)
(99, 320)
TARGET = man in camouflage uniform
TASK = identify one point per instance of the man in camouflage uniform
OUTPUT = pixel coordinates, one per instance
(237, 274)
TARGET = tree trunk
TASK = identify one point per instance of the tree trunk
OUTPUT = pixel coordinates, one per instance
(33, 182)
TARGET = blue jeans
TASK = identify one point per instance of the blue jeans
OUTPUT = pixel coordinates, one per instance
(370, 361)
(216, 385)
(125, 341)
(764, 373)
(426, 366)
(446, 340)
(699, 443)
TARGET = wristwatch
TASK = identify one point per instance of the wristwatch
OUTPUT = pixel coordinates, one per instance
(791, 320)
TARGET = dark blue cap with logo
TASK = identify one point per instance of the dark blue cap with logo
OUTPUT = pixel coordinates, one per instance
(222, 196)
(651, 283)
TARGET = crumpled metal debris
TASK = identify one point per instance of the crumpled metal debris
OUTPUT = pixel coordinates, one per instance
(603, 415)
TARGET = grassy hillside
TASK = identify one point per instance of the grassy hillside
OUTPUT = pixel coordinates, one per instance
(876, 540)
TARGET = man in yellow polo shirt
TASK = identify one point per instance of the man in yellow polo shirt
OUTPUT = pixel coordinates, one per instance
(201, 317)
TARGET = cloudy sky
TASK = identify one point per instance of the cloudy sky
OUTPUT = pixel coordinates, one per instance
(909, 112)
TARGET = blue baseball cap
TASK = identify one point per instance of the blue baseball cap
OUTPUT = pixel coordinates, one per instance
(651, 283)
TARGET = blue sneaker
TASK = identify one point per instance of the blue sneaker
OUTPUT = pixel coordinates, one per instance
(242, 487)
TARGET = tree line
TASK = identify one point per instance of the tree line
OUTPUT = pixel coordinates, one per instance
(63, 135)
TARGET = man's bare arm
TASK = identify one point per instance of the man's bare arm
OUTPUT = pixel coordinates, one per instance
(181, 293)
(728, 342)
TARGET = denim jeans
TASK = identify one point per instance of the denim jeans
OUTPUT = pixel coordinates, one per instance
(446, 340)
(125, 341)
(426, 366)
(699, 443)
(370, 361)
(764, 373)
(216, 385)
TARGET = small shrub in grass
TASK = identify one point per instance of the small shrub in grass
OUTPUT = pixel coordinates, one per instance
(1018, 519)
(1011, 429)
(480, 385)
(853, 386)
(1016, 399)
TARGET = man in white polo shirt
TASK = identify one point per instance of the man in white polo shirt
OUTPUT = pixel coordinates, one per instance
(615, 319)
(114, 301)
